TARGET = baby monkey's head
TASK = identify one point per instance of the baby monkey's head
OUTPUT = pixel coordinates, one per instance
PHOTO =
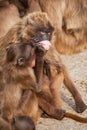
(20, 55)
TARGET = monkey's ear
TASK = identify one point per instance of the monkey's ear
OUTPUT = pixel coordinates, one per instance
(10, 55)
(7, 48)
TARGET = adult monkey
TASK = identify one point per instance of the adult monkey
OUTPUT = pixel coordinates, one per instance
(69, 18)
(26, 31)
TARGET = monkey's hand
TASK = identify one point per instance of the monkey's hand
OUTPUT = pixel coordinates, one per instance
(59, 114)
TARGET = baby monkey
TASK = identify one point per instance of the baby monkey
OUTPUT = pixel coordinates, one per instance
(18, 75)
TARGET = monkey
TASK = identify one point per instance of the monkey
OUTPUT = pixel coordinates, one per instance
(55, 57)
(18, 75)
(80, 106)
(70, 24)
(56, 72)
(15, 57)
(21, 31)
(67, 31)
(25, 31)
(7, 19)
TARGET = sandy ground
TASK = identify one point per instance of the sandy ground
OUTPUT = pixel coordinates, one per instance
(77, 65)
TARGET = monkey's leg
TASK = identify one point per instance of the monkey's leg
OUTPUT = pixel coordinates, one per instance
(80, 105)
(11, 98)
(28, 106)
(55, 89)
(48, 107)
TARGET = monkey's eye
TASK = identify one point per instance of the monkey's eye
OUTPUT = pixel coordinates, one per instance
(21, 61)
(43, 33)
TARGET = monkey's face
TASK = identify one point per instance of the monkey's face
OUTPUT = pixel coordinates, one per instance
(41, 40)
(20, 55)
(42, 36)
(37, 30)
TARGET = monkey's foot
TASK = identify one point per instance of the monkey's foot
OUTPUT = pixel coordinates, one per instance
(80, 107)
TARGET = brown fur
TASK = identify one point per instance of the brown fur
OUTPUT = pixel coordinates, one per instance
(33, 6)
(26, 6)
(70, 23)
(16, 77)
(7, 19)
(24, 31)
(14, 80)
(21, 5)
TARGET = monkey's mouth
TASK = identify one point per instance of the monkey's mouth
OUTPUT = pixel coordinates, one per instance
(45, 44)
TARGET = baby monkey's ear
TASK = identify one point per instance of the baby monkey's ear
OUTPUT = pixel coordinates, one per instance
(10, 55)
(8, 47)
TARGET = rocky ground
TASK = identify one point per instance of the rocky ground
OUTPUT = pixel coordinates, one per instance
(77, 65)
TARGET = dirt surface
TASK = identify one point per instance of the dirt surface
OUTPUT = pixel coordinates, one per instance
(77, 65)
